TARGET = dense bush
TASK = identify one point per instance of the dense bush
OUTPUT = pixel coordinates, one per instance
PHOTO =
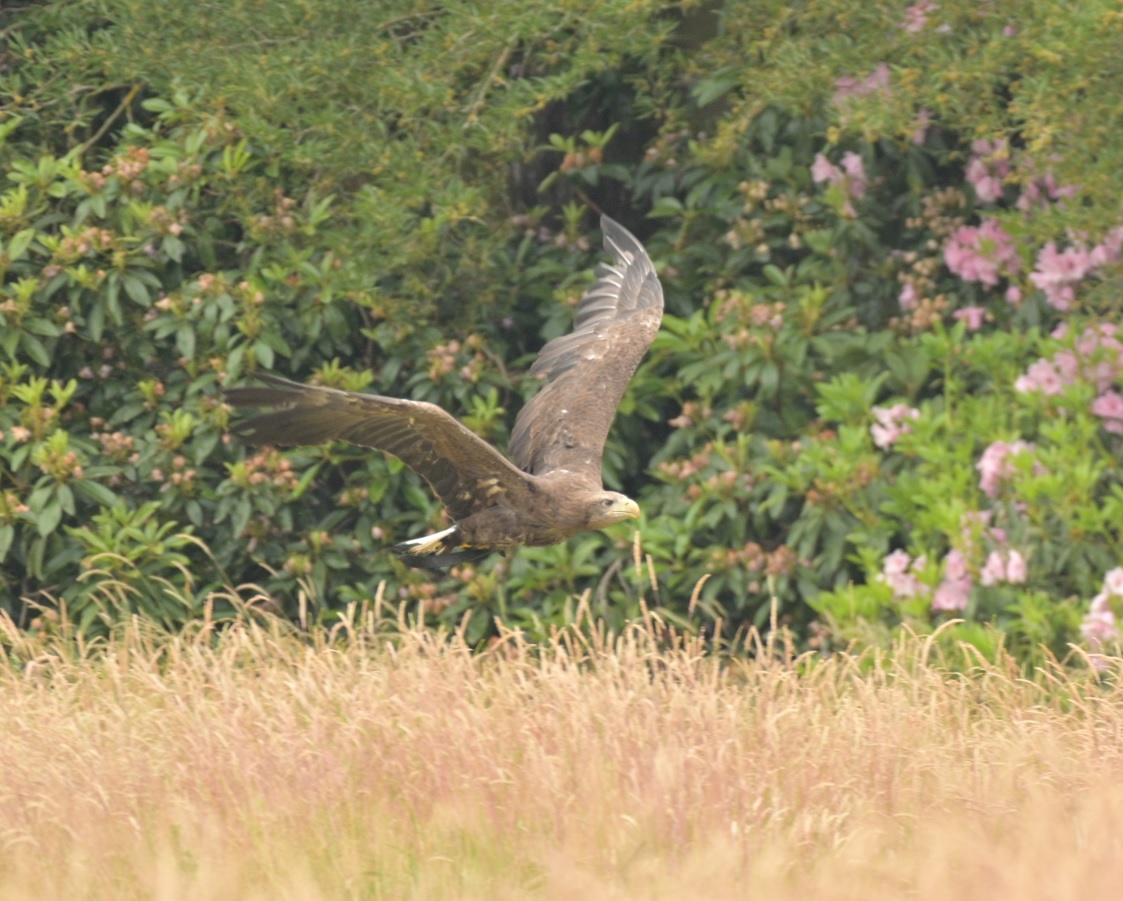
(887, 388)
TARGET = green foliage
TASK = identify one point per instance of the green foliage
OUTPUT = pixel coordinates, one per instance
(398, 199)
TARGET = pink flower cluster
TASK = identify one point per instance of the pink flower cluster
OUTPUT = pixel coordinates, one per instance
(1096, 357)
(988, 168)
(916, 16)
(1043, 190)
(898, 571)
(852, 176)
(920, 132)
(1003, 565)
(954, 591)
(972, 316)
(994, 467)
(1109, 407)
(890, 423)
(982, 253)
(877, 80)
(1009, 567)
(1057, 272)
(1100, 624)
(1045, 376)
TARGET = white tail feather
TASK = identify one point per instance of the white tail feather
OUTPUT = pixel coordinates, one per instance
(426, 544)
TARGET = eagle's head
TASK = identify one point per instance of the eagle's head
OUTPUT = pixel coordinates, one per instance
(606, 508)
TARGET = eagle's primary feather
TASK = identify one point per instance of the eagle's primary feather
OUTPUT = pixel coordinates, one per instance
(551, 487)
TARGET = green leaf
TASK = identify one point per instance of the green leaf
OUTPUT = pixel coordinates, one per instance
(35, 349)
(9, 339)
(666, 206)
(136, 290)
(264, 353)
(717, 85)
(17, 247)
(6, 128)
(240, 517)
(48, 517)
(96, 322)
(96, 492)
(185, 340)
(173, 247)
(194, 512)
(305, 481)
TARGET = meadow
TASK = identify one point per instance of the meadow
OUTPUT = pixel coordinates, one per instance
(382, 760)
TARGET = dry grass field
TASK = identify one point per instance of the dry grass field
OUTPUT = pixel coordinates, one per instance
(262, 764)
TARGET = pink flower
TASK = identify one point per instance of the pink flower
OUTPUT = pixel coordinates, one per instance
(1041, 377)
(951, 596)
(824, 170)
(855, 173)
(987, 187)
(890, 425)
(981, 254)
(1109, 406)
(994, 570)
(1096, 358)
(1016, 569)
(1113, 582)
(852, 176)
(1013, 295)
(1057, 272)
(920, 133)
(988, 168)
(907, 298)
(1099, 625)
(1108, 250)
(916, 16)
(846, 86)
(1043, 190)
(955, 566)
(993, 466)
(972, 316)
(954, 591)
(1099, 621)
(895, 573)
(896, 563)
(1067, 366)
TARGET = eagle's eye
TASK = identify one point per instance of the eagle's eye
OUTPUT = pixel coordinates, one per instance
(608, 502)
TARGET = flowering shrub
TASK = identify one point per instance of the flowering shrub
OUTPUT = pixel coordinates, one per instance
(1100, 626)
(888, 388)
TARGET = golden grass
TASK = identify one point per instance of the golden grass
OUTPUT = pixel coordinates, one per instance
(264, 765)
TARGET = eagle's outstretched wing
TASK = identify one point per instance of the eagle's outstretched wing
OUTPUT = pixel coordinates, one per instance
(459, 466)
(564, 426)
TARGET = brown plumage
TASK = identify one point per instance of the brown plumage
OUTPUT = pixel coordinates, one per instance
(551, 487)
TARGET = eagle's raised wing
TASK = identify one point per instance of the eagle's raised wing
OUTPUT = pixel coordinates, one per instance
(462, 469)
(564, 426)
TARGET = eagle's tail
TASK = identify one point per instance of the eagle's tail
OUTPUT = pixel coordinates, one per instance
(438, 551)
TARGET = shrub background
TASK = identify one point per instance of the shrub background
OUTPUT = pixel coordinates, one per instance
(403, 198)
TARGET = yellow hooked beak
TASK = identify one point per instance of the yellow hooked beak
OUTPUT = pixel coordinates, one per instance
(629, 509)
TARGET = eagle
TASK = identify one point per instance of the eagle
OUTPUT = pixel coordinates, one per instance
(550, 488)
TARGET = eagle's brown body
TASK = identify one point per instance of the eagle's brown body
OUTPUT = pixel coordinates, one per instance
(551, 488)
